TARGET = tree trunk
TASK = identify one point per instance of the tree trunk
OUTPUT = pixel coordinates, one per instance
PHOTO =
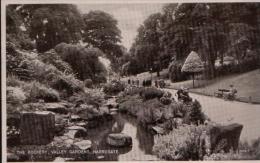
(158, 73)
(37, 128)
(193, 79)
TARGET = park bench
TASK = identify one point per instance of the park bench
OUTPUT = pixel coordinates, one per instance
(226, 94)
(220, 92)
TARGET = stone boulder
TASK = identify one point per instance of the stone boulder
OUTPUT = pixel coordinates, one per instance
(76, 132)
(119, 140)
(59, 129)
(87, 112)
(227, 135)
(158, 130)
(37, 128)
(75, 118)
(84, 144)
(56, 108)
(82, 124)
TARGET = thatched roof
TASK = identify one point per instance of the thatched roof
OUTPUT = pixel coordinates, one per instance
(193, 63)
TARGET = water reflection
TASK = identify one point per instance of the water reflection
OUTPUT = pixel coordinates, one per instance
(142, 140)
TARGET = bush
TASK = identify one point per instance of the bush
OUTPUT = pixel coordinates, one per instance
(228, 156)
(36, 91)
(165, 100)
(178, 110)
(51, 57)
(152, 112)
(179, 144)
(17, 64)
(93, 97)
(84, 61)
(130, 104)
(114, 87)
(15, 95)
(196, 115)
(150, 93)
(88, 83)
(13, 81)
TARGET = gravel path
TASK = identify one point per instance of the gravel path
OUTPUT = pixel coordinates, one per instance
(222, 111)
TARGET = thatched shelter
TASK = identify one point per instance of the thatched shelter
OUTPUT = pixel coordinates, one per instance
(193, 64)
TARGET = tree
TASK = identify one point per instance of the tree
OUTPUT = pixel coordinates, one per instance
(84, 61)
(14, 32)
(52, 24)
(193, 64)
(145, 48)
(101, 31)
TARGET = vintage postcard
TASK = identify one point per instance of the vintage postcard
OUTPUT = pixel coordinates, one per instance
(130, 81)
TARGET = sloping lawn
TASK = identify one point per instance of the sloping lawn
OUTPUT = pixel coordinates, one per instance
(247, 84)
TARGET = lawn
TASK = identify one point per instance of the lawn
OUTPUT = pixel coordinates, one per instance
(247, 85)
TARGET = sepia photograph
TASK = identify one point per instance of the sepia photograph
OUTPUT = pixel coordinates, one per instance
(136, 81)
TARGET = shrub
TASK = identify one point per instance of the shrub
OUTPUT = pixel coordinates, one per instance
(166, 100)
(89, 96)
(151, 112)
(13, 81)
(15, 95)
(67, 84)
(84, 61)
(228, 156)
(114, 87)
(17, 64)
(178, 110)
(179, 144)
(36, 91)
(88, 83)
(196, 114)
(130, 104)
(150, 93)
(51, 57)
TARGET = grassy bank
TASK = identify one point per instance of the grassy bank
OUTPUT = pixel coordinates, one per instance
(247, 85)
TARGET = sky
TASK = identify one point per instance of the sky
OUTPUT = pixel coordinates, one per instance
(129, 16)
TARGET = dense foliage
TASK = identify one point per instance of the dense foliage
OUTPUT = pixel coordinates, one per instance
(84, 61)
(179, 144)
(101, 31)
(114, 87)
(213, 30)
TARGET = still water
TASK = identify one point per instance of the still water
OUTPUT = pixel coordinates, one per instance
(142, 146)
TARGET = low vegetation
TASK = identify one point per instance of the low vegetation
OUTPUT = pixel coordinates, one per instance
(152, 106)
(180, 144)
(114, 87)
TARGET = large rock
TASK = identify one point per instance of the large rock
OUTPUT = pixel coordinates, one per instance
(228, 135)
(158, 130)
(119, 140)
(76, 132)
(37, 128)
(84, 144)
(56, 108)
(75, 118)
(59, 129)
(87, 112)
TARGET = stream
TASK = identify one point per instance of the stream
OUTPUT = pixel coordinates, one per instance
(141, 148)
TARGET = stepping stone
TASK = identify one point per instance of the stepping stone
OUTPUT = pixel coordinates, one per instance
(119, 140)
(84, 144)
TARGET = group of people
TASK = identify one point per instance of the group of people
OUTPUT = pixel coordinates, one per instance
(145, 83)
(133, 82)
